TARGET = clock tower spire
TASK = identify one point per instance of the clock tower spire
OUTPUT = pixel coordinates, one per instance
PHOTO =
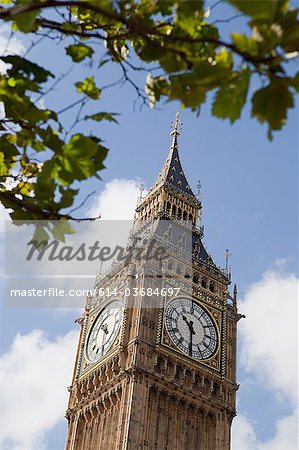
(156, 364)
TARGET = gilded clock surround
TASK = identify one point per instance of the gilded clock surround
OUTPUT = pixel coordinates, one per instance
(144, 393)
(93, 322)
(85, 365)
(215, 360)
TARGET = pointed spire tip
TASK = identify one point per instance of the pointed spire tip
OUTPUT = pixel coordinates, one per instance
(176, 126)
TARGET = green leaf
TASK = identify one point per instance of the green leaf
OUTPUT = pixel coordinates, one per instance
(34, 114)
(230, 99)
(24, 188)
(88, 88)
(224, 58)
(21, 66)
(190, 13)
(155, 88)
(98, 117)
(61, 228)
(67, 196)
(3, 166)
(262, 10)
(186, 89)
(7, 147)
(45, 186)
(50, 138)
(270, 104)
(81, 158)
(290, 37)
(26, 21)
(39, 234)
(148, 52)
(8, 153)
(78, 52)
(172, 63)
(245, 43)
(210, 75)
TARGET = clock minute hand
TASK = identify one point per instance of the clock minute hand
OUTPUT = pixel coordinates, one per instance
(191, 329)
(104, 327)
(186, 320)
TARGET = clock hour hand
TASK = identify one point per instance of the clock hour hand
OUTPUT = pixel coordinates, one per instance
(190, 325)
(104, 327)
(191, 329)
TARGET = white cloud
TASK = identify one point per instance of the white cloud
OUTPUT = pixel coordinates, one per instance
(269, 334)
(117, 201)
(243, 434)
(34, 375)
(269, 349)
(285, 435)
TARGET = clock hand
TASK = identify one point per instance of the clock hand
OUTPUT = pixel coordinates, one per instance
(186, 320)
(190, 324)
(104, 327)
(191, 329)
(103, 343)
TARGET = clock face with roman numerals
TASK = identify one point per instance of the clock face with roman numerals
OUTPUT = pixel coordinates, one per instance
(103, 331)
(191, 328)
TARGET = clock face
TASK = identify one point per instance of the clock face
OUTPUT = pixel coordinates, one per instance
(191, 328)
(103, 331)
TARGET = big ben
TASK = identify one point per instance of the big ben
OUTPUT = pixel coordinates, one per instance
(156, 359)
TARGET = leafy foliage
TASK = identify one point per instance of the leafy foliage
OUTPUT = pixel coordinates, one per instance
(88, 88)
(229, 100)
(78, 52)
(189, 57)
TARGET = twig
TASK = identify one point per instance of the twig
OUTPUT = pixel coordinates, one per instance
(230, 19)
(83, 203)
(72, 105)
(25, 205)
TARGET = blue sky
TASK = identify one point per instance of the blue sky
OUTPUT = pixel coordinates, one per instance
(250, 206)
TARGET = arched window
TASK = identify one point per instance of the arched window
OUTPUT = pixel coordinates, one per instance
(158, 366)
(178, 373)
(216, 390)
(212, 286)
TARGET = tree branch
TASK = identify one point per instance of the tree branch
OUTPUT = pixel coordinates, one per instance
(131, 24)
(26, 206)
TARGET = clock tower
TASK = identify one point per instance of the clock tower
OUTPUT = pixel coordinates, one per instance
(156, 360)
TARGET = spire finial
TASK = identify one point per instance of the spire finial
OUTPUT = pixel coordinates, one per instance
(176, 124)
